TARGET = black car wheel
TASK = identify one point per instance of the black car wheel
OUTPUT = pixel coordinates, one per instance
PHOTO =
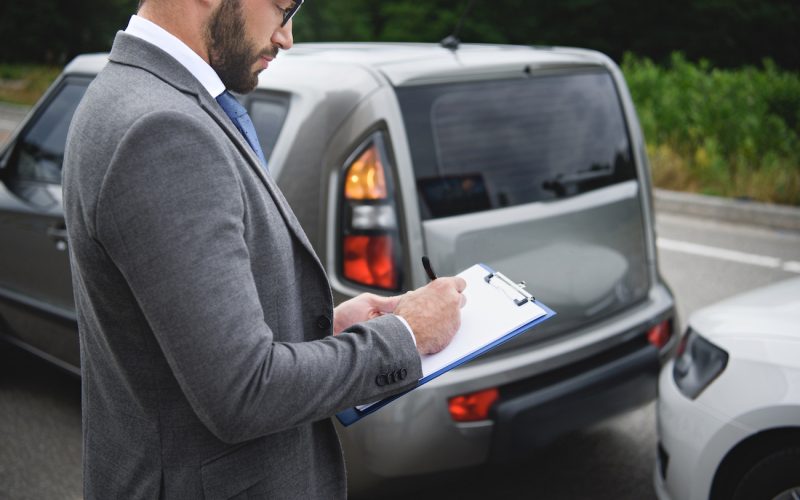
(775, 477)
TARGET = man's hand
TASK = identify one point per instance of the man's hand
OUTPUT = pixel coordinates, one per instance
(434, 312)
(361, 308)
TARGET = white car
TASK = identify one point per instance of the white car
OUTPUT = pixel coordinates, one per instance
(729, 404)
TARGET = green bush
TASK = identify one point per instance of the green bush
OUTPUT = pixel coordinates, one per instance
(25, 83)
(724, 132)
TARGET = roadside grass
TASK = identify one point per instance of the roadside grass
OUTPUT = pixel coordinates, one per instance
(25, 84)
(733, 133)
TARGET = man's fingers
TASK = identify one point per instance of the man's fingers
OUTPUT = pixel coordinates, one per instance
(459, 283)
(463, 300)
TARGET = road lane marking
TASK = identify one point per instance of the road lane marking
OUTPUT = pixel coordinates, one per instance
(789, 266)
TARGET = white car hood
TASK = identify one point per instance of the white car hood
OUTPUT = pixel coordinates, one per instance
(769, 312)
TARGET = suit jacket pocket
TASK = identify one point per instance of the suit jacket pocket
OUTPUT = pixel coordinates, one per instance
(234, 471)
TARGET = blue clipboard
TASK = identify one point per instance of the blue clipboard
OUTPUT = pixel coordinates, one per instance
(517, 295)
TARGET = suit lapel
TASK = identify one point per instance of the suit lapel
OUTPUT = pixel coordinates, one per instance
(215, 111)
(133, 51)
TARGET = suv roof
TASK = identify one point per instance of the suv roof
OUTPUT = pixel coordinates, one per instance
(404, 63)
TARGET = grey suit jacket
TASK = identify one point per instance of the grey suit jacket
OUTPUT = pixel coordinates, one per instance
(209, 369)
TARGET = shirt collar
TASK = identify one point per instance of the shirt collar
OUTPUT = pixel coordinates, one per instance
(169, 43)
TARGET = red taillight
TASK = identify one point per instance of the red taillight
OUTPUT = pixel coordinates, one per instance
(370, 260)
(370, 251)
(473, 407)
(660, 334)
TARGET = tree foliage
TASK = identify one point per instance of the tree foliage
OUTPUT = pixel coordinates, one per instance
(725, 32)
(53, 31)
(720, 131)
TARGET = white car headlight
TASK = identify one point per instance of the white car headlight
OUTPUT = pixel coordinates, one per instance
(698, 363)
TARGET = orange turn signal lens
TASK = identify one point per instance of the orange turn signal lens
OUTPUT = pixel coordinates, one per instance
(369, 260)
(365, 179)
(473, 407)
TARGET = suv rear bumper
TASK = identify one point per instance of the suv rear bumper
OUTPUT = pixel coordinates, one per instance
(547, 389)
(532, 413)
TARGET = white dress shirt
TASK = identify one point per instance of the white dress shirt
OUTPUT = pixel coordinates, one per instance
(169, 43)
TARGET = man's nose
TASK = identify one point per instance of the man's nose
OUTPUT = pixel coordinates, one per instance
(282, 37)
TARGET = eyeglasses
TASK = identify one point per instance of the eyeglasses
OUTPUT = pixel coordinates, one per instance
(289, 12)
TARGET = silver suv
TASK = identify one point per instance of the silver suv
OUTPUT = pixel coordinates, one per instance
(530, 160)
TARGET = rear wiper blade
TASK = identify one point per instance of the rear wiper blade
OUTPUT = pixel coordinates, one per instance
(567, 184)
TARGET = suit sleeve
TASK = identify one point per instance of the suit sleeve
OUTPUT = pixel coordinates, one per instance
(170, 215)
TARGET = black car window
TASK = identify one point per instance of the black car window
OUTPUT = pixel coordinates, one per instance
(268, 112)
(483, 145)
(40, 149)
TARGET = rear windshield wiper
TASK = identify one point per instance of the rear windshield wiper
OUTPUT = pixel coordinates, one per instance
(567, 184)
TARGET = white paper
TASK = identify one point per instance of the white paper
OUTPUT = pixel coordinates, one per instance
(489, 314)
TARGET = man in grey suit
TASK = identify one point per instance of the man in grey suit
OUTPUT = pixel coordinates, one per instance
(211, 354)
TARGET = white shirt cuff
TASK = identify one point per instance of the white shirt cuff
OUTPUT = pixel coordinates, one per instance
(408, 327)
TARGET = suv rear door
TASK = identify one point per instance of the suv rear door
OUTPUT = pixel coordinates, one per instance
(536, 177)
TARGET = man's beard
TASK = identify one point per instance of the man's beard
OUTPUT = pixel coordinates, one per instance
(230, 54)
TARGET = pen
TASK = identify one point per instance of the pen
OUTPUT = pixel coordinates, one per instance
(426, 263)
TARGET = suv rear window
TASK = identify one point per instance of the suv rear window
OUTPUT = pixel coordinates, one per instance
(491, 144)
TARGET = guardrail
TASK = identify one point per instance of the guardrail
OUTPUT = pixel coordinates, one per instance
(728, 210)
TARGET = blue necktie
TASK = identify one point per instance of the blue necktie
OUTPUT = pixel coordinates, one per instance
(241, 119)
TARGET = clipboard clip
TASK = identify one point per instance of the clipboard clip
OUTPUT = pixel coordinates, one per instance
(504, 283)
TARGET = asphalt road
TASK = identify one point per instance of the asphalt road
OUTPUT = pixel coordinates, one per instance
(40, 429)
(703, 260)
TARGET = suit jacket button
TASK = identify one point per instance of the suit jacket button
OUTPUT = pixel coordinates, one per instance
(323, 322)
